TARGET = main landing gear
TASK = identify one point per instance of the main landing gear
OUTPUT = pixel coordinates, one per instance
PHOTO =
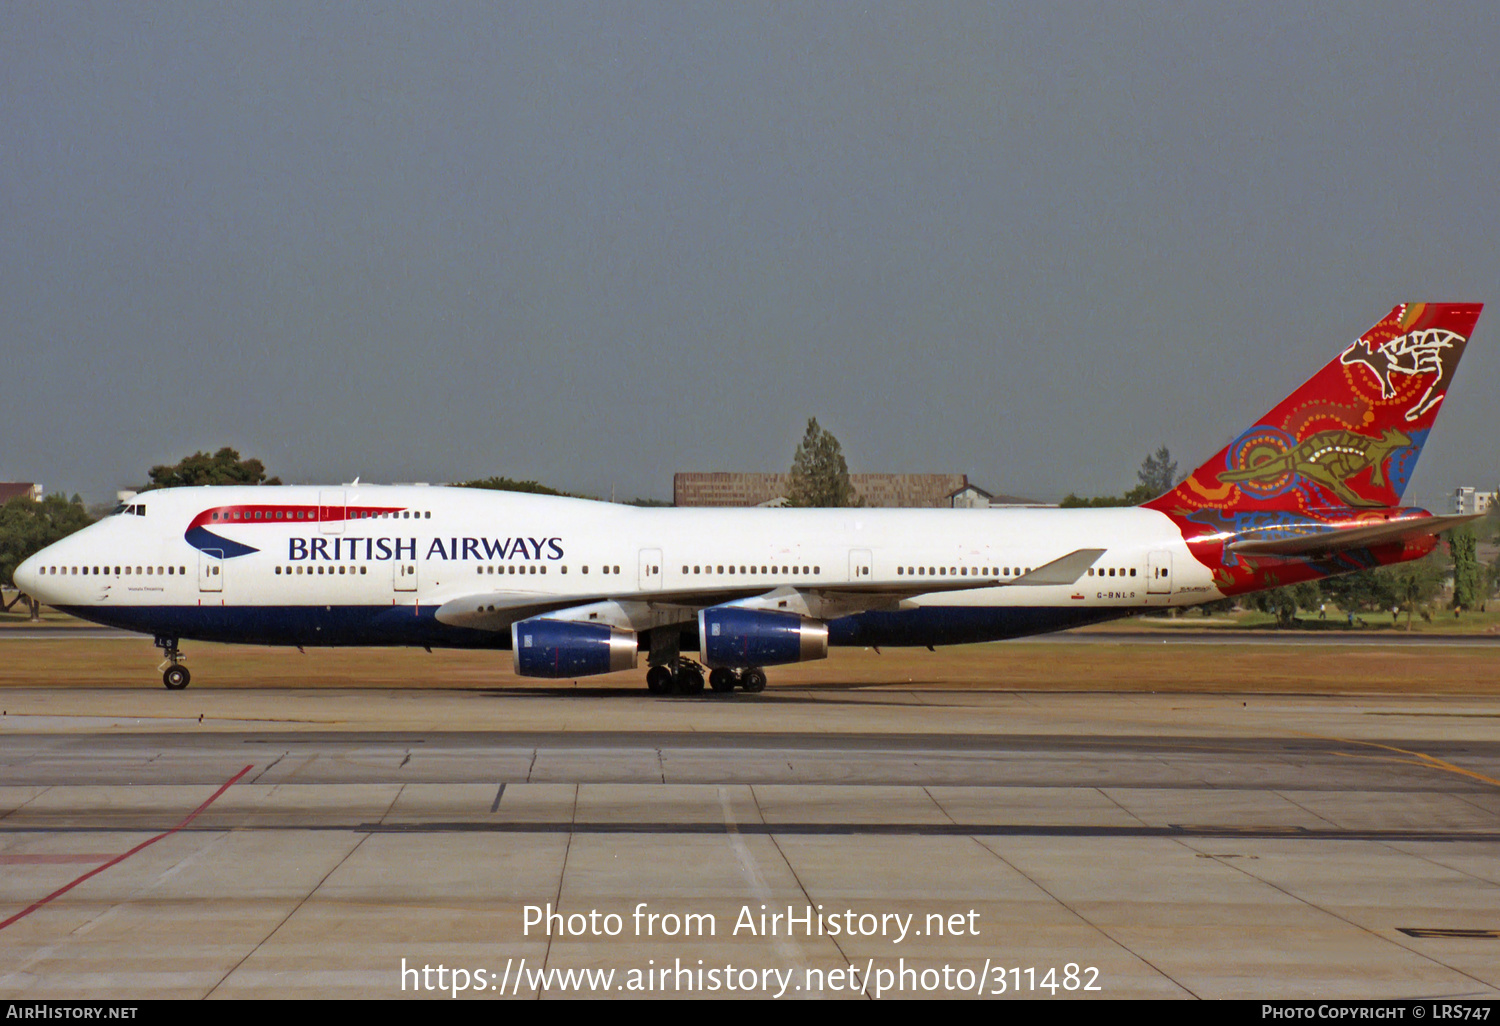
(679, 677)
(685, 677)
(174, 676)
(751, 679)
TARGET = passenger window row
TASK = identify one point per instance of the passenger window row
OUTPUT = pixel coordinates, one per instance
(961, 571)
(116, 571)
(515, 568)
(309, 570)
(307, 514)
(786, 571)
(266, 515)
(1100, 572)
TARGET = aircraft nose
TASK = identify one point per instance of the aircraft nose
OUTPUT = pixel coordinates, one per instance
(26, 576)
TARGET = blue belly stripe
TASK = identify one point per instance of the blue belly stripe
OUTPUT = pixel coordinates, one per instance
(406, 625)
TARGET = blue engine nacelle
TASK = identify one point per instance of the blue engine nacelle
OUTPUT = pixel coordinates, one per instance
(737, 638)
(557, 648)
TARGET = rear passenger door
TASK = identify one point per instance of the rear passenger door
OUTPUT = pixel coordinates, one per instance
(1159, 573)
(650, 564)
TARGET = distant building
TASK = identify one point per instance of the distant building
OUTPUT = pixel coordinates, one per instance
(1470, 500)
(19, 490)
(910, 491)
(728, 489)
(1002, 501)
(971, 496)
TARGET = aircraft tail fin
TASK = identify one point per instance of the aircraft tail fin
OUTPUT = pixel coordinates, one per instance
(1351, 435)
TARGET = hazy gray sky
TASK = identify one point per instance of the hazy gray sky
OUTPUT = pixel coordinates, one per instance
(594, 244)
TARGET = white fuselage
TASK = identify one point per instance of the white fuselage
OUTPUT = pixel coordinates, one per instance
(371, 564)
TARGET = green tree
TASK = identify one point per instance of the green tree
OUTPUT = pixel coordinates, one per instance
(819, 477)
(222, 468)
(1285, 601)
(1365, 590)
(27, 527)
(509, 484)
(1415, 583)
(1468, 579)
(1158, 473)
(1071, 501)
(1404, 586)
(1157, 476)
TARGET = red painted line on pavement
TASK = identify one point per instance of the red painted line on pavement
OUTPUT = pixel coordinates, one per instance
(121, 858)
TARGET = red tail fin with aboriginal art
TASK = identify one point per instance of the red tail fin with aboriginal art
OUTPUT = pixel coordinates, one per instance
(1334, 455)
(1351, 435)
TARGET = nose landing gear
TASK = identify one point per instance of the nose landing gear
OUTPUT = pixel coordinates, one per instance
(174, 676)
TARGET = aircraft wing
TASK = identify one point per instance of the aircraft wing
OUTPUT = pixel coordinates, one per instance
(497, 610)
(1360, 535)
(1064, 571)
(843, 599)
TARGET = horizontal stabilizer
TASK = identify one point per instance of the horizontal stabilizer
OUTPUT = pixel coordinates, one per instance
(1359, 535)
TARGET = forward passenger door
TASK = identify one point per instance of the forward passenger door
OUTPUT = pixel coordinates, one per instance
(405, 575)
(210, 570)
(331, 510)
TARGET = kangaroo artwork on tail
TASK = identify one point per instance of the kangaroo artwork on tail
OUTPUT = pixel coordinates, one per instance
(1335, 456)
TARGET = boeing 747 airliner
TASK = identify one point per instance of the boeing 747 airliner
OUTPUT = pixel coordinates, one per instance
(573, 587)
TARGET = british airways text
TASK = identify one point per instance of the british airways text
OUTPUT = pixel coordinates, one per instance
(376, 549)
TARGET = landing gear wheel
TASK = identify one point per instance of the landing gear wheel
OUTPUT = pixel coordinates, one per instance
(176, 676)
(659, 680)
(689, 681)
(722, 679)
(753, 680)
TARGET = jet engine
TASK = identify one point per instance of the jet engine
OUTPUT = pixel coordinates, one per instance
(558, 648)
(734, 637)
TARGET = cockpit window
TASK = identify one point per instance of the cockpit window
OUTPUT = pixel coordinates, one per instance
(121, 508)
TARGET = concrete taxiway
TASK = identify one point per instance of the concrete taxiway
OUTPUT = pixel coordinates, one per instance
(305, 843)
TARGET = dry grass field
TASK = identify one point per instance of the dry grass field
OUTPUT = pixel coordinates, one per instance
(1018, 666)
